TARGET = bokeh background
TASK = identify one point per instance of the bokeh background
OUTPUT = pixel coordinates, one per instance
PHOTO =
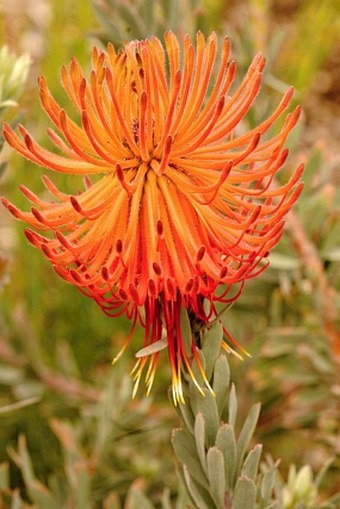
(68, 425)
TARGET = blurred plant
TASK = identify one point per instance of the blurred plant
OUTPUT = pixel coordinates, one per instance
(215, 464)
(312, 20)
(296, 37)
(13, 74)
(98, 448)
(3, 270)
(299, 488)
(123, 20)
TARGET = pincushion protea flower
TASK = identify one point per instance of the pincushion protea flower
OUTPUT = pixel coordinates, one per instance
(185, 203)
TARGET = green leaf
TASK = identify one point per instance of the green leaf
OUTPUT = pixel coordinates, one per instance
(216, 475)
(226, 443)
(23, 461)
(251, 464)
(134, 23)
(312, 167)
(207, 406)
(3, 165)
(244, 495)
(331, 503)
(19, 404)
(199, 495)
(246, 434)
(221, 381)
(186, 331)
(332, 255)
(274, 505)
(211, 348)
(147, 13)
(41, 496)
(284, 262)
(322, 472)
(197, 373)
(267, 484)
(232, 409)
(174, 12)
(155, 347)
(4, 476)
(16, 502)
(112, 501)
(200, 440)
(136, 498)
(185, 450)
(187, 416)
(166, 501)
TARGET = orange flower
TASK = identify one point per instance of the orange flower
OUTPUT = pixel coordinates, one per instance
(185, 203)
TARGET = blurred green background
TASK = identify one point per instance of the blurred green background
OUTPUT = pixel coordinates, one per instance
(66, 417)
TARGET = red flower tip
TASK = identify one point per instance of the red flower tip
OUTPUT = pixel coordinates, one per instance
(34, 239)
(105, 273)
(119, 246)
(200, 253)
(11, 208)
(157, 269)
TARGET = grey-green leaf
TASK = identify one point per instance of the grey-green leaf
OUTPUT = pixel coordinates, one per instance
(199, 433)
(136, 499)
(186, 331)
(212, 339)
(332, 503)
(185, 450)
(199, 495)
(247, 431)
(216, 475)
(207, 406)
(166, 501)
(322, 472)
(267, 484)
(197, 372)
(221, 381)
(284, 262)
(226, 443)
(232, 409)
(17, 502)
(251, 463)
(4, 476)
(187, 416)
(155, 347)
(244, 495)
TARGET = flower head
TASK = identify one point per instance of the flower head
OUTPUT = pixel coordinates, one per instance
(185, 202)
